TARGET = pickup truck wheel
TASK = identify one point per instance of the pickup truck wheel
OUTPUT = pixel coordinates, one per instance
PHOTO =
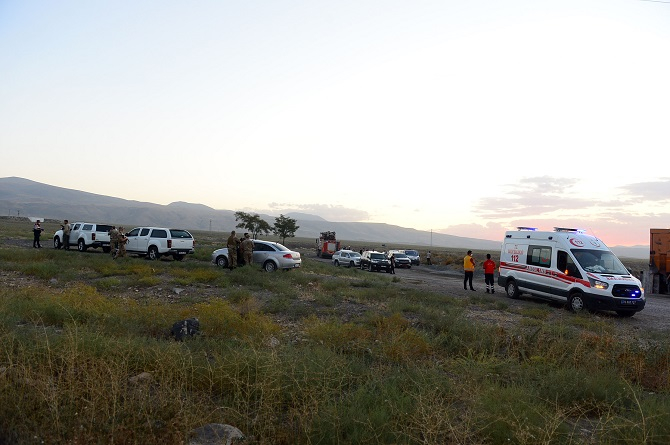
(81, 246)
(178, 256)
(57, 244)
(269, 266)
(222, 261)
(153, 253)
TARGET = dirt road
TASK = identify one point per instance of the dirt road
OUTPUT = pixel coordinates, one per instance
(655, 316)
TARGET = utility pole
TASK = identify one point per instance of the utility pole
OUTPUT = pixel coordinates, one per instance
(431, 238)
(210, 225)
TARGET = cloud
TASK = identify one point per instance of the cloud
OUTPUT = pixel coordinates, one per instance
(649, 191)
(326, 211)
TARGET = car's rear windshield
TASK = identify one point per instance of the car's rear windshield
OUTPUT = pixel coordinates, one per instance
(178, 233)
(281, 247)
(103, 228)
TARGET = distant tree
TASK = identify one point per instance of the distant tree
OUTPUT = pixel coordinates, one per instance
(254, 224)
(285, 227)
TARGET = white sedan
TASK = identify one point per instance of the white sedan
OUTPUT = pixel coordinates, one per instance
(269, 255)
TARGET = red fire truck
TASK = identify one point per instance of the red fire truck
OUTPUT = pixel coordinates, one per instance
(327, 245)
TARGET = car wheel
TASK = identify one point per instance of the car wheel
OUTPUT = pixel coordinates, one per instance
(625, 313)
(57, 244)
(178, 256)
(222, 261)
(576, 302)
(351, 264)
(370, 267)
(153, 253)
(337, 263)
(511, 289)
(81, 246)
(269, 266)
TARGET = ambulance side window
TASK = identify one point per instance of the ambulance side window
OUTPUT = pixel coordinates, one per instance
(566, 265)
(539, 256)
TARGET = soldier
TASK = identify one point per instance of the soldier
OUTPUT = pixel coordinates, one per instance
(66, 234)
(232, 244)
(113, 240)
(248, 249)
(122, 240)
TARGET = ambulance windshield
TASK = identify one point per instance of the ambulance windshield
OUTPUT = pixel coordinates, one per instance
(599, 261)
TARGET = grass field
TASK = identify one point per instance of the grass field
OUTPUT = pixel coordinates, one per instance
(320, 355)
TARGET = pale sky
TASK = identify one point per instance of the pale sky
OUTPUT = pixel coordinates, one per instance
(463, 117)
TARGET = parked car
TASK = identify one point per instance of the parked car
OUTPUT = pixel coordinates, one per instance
(413, 256)
(154, 242)
(347, 258)
(85, 235)
(375, 261)
(268, 254)
(401, 260)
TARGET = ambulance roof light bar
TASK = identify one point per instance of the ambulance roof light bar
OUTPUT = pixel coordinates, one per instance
(565, 229)
(527, 228)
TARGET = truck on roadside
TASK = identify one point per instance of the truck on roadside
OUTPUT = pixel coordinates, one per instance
(85, 235)
(327, 244)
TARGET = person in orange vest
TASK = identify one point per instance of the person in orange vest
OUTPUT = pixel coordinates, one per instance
(489, 268)
(469, 268)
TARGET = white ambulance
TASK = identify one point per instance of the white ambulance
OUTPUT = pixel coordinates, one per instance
(568, 265)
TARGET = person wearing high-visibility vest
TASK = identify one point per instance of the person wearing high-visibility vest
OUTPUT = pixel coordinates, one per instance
(469, 268)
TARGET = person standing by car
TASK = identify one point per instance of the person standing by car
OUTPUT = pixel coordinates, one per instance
(247, 246)
(122, 239)
(392, 258)
(489, 268)
(428, 259)
(232, 244)
(113, 241)
(66, 234)
(37, 232)
(469, 269)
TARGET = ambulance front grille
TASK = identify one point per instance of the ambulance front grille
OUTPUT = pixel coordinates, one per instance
(626, 291)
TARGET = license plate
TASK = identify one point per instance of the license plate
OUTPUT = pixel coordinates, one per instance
(629, 302)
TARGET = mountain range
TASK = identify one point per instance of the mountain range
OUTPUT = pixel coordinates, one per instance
(23, 197)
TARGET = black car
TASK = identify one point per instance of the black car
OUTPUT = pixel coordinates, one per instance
(402, 261)
(375, 261)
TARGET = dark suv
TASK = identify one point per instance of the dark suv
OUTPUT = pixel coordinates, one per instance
(375, 261)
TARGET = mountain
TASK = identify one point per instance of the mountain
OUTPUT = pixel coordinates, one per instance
(32, 198)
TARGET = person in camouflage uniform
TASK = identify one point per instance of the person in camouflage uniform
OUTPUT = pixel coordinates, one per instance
(232, 244)
(122, 240)
(113, 240)
(248, 249)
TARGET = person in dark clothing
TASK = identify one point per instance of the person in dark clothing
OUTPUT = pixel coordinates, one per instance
(37, 232)
(392, 258)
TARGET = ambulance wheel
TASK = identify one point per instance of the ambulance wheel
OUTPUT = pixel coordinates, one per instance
(576, 302)
(512, 289)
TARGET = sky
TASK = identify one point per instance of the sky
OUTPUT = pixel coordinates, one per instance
(460, 117)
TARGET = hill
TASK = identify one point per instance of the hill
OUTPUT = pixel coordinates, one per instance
(32, 198)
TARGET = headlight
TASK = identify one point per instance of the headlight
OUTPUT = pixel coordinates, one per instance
(598, 284)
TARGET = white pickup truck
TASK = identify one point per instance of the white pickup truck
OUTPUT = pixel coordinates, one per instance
(154, 242)
(85, 235)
